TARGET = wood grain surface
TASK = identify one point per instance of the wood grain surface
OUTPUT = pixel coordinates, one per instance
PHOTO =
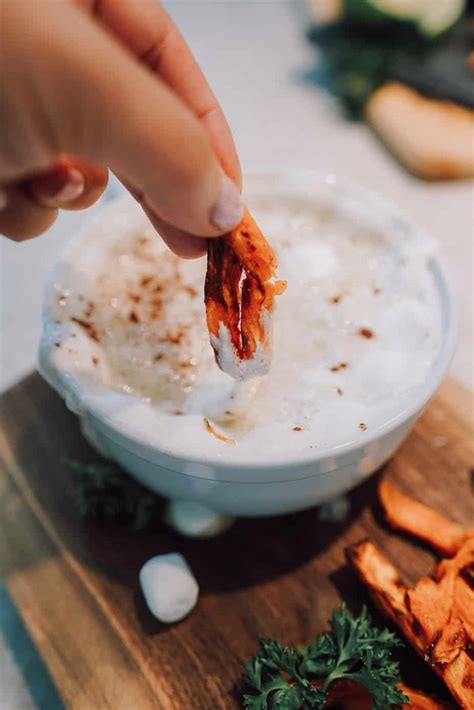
(75, 583)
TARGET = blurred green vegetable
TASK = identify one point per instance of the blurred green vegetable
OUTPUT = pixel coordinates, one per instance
(104, 491)
(359, 60)
(379, 40)
(431, 18)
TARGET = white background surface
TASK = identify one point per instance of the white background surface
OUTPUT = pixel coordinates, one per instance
(255, 56)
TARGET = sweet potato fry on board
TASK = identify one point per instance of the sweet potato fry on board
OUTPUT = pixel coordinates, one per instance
(435, 615)
(386, 586)
(345, 695)
(443, 605)
(420, 701)
(410, 516)
(239, 295)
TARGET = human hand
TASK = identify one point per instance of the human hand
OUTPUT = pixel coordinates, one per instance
(94, 84)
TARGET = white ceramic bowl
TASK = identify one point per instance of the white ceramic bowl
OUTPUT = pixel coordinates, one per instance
(262, 487)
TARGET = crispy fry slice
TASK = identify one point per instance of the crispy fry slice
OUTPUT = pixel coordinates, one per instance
(383, 581)
(414, 612)
(443, 606)
(422, 522)
(350, 696)
(239, 295)
(252, 249)
(420, 701)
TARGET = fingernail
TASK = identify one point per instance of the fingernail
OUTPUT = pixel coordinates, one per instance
(3, 198)
(72, 188)
(55, 190)
(229, 208)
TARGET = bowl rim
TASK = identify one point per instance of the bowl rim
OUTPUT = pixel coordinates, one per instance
(313, 456)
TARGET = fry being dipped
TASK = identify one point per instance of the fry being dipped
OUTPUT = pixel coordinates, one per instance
(239, 293)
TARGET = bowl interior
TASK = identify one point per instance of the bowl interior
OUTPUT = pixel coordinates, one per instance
(139, 427)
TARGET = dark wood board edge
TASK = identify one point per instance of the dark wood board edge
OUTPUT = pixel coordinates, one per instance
(61, 614)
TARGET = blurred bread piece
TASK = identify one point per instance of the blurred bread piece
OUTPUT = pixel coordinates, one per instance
(431, 138)
(324, 11)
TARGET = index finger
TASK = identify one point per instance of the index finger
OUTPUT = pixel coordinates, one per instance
(150, 33)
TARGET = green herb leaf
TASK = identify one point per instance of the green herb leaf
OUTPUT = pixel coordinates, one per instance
(104, 491)
(353, 649)
(263, 673)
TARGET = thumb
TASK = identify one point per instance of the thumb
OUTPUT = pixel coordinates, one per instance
(83, 93)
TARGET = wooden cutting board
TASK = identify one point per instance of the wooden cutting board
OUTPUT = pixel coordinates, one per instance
(75, 583)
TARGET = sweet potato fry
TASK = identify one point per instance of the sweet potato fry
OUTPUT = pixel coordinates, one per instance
(444, 606)
(433, 615)
(239, 294)
(422, 522)
(346, 695)
(420, 701)
(385, 586)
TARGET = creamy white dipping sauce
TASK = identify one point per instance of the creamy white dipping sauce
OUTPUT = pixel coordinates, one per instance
(356, 332)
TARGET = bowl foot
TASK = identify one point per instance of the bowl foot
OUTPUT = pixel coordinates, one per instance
(335, 510)
(193, 519)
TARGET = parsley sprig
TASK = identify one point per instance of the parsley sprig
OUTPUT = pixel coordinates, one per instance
(353, 649)
(104, 491)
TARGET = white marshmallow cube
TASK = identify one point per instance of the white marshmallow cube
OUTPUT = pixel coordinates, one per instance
(169, 587)
(195, 520)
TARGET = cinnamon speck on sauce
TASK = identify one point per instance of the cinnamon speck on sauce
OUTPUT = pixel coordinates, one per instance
(336, 299)
(134, 297)
(158, 357)
(174, 339)
(376, 291)
(132, 317)
(340, 366)
(365, 333)
(362, 426)
(89, 310)
(191, 291)
(146, 280)
(178, 413)
(339, 391)
(57, 345)
(95, 360)
(221, 437)
(297, 428)
(88, 327)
